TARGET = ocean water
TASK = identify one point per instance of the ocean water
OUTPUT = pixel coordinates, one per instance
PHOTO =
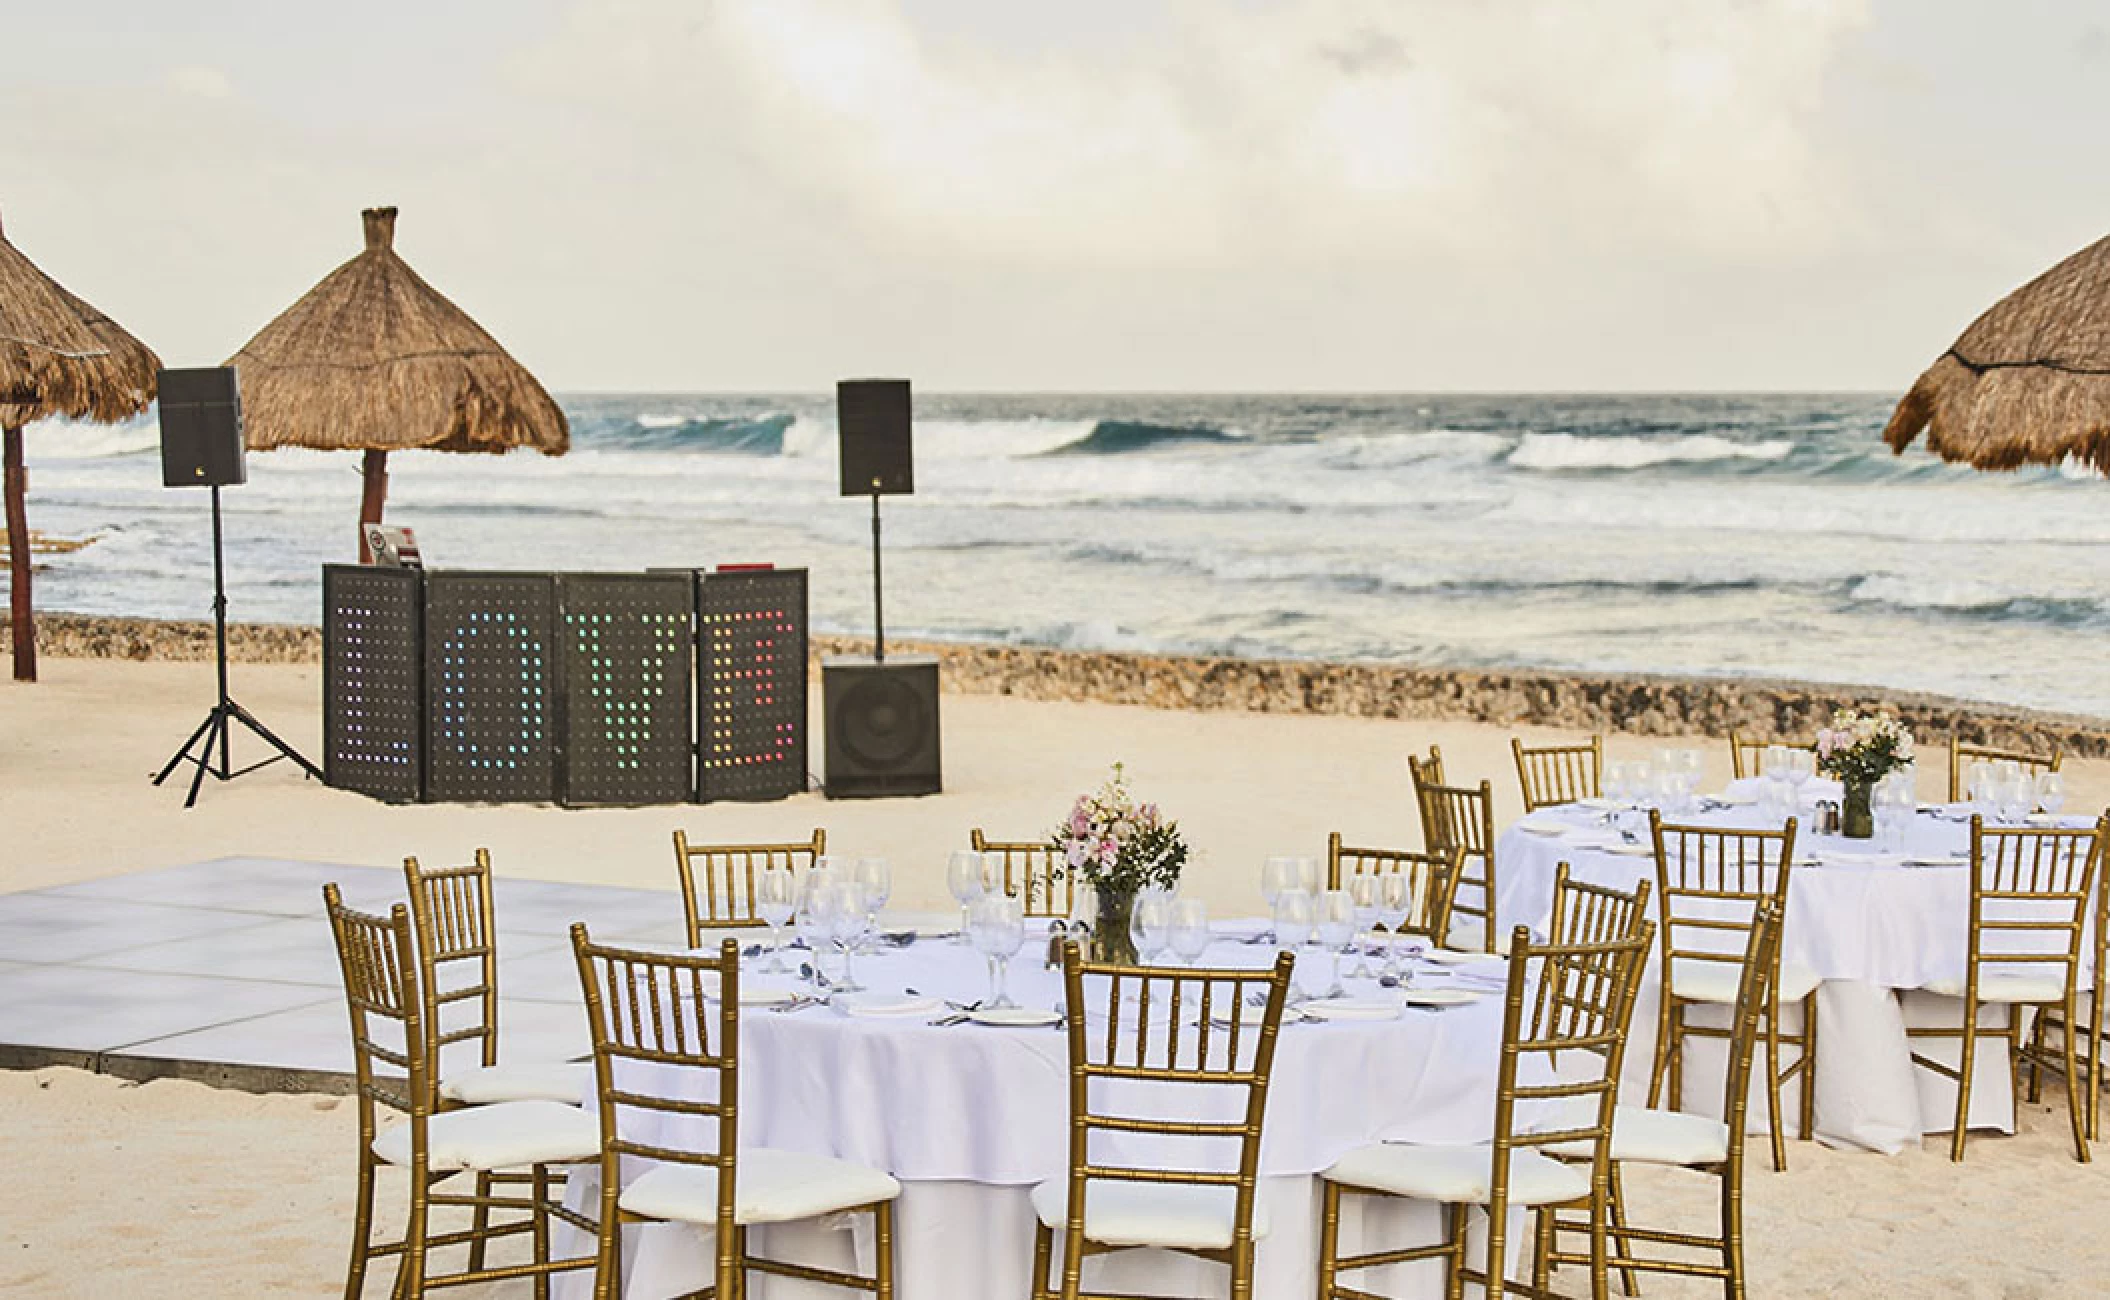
(1766, 535)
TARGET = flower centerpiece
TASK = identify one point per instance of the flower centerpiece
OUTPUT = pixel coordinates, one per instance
(1861, 749)
(1119, 847)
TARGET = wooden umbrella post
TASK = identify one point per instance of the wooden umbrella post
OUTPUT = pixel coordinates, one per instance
(375, 497)
(25, 623)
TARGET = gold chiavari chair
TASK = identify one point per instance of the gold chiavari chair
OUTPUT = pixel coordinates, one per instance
(1165, 1029)
(1961, 756)
(452, 915)
(378, 959)
(2088, 1046)
(666, 1050)
(1579, 1025)
(727, 898)
(1557, 774)
(1710, 883)
(1461, 818)
(2029, 901)
(1432, 875)
(1675, 1138)
(1746, 756)
(1030, 874)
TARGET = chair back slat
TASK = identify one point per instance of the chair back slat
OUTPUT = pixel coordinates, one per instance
(1563, 1002)
(1461, 819)
(1032, 874)
(1962, 755)
(378, 962)
(670, 1022)
(718, 880)
(1163, 1087)
(1710, 881)
(452, 915)
(1432, 877)
(1558, 774)
(1754, 993)
(1746, 755)
(2031, 889)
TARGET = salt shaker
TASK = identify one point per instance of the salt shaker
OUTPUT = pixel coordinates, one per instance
(1057, 932)
(1828, 819)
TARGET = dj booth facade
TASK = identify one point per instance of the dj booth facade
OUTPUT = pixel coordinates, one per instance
(576, 688)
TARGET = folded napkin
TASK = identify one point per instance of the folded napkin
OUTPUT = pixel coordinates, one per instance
(1352, 1009)
(887, 1004)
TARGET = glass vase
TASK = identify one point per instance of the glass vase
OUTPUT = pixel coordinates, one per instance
(1857, 819)
(1111, 940)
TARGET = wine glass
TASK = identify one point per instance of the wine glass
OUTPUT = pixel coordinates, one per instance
(997, 925)
(1773, 765)
(1802, 765)
(2017, 792)
(963, 876)
(878, 879)
(1189, 931)
(1395, 903)
(815, 922)
(848, 913)
(1362, 891)
(1889, 806)
(1334, 920)
(1150, 924)
(1690, 769)
(1293, 919)
(2051, 792)
(1308, 874)
(776, 898)
(1614, 781)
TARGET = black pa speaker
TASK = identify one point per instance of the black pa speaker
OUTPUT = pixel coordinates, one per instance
(882, 726)
(878, 458)
(201, 428)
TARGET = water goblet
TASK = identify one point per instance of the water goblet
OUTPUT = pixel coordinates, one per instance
(1276, 875)
(776, 898)
(1334, 917)
(1802, 765)
(1615, 781)
(847, 925)
(815, 924)
(1362, 890)
(878, 881)
(1395, 904)
(1308, 874)
(1773, 764)
(1150, 925)
(1293, 919)
(2051, 792)
(2016, 793)
(963, 876)
(997, 925)
(1189, 931)
(1642, 779)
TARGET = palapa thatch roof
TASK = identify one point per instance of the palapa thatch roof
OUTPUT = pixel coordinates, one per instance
(374, 358)
(61, 357)
(2029, 382)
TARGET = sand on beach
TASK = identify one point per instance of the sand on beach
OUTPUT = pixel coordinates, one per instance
(174, 1189)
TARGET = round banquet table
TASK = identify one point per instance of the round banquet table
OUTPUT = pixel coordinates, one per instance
(970, 1117)
(1875, 927)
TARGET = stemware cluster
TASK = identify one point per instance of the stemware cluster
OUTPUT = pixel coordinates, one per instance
(2007, 792)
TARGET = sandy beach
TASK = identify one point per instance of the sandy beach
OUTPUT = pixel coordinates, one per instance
(77, 751)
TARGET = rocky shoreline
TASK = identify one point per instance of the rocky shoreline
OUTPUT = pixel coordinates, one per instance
(1645, 704)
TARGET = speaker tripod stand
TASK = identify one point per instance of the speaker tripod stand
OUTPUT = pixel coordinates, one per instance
(212, 737)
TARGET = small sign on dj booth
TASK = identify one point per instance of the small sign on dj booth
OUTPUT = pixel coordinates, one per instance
(579, 688)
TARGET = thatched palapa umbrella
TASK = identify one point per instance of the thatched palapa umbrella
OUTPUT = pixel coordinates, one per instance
(375, 359)
(58, 357)
(2029, 382)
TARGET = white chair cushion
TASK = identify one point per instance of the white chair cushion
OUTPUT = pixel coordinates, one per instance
(1458, 1175)
(1171, 1215)
(1716, 981)
(511, 1135)
(570, 1082)
(1658, 1137)
(2004, 986)
(769, 1186)
(1470, 935)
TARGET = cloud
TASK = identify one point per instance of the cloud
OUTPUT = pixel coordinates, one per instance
(1226, 131)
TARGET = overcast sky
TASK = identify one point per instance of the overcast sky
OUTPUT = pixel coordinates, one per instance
(1390, 195)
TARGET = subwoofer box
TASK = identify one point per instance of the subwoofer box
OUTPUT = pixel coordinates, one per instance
(882, 726)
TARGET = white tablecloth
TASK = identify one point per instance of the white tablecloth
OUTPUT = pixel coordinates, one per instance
(971, 1117)
(1866, 930)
